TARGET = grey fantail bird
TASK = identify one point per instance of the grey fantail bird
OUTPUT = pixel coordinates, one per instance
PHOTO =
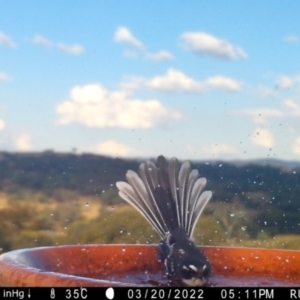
(171, 200)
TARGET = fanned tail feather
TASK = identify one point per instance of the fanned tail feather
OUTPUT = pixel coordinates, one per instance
(148, 173)
(167, 197)
(127, 193)
(174, 187)
(201, 203)
(183, 183)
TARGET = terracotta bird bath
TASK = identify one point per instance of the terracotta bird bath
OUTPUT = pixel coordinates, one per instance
(139, 265)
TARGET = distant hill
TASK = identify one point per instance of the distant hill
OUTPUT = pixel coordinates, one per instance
(270, 187)
(48, 171)
(91, 174)
(277, 163)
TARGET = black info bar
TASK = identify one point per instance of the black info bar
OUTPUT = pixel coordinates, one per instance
(156, 293)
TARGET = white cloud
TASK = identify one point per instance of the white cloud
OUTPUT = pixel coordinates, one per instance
(6, 41)
(285, 82)
(291, 39)
(115, 149)
(223, 83)
(159, 56)
(262, 137)
(296, 146)
(292, 106)
(220, 149)
(130, 54)
(42, 41)
(71, 49)
(288, 114)
(202, 43)
(68, 49)
(23, 142)
(94, 106)
(132, 84)
(260, 116)
(123, 35)
(2, 125)
(4, 77)
(266, 92)
(175, 81)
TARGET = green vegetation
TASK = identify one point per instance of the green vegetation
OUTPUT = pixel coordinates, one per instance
(54, 199)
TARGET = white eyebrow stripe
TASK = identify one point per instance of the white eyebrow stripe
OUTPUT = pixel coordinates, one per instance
(193, 268)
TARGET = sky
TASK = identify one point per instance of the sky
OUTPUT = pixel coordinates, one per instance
(200, 80)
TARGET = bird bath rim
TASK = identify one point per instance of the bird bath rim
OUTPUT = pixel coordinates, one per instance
(75, 265)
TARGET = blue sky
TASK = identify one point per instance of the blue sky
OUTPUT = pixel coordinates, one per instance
(193, 79)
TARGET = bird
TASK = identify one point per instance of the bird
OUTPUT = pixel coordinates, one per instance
(171, 199)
